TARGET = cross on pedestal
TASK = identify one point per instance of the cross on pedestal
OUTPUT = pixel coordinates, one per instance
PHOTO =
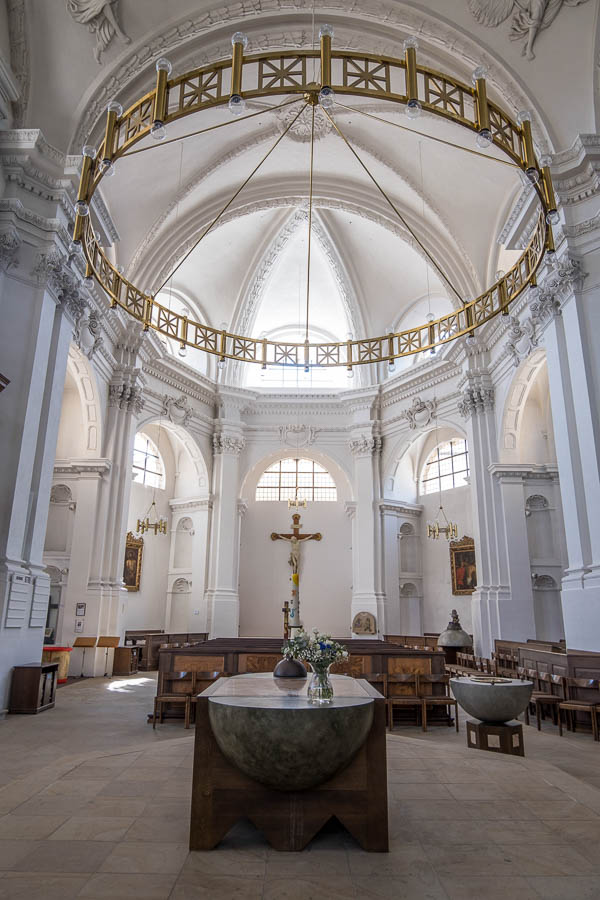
(295, 539)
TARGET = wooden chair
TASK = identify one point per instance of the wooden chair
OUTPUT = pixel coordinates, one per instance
(379, 680)
(181, 695)
(433, 700)
(407, 681)
(573, 704)
(546, 697)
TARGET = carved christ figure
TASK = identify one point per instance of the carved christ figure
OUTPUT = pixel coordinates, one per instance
(529, 17)
(101, 20)
(294, 560)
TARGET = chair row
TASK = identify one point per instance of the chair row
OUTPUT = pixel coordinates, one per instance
(560, 693)
(414, 690)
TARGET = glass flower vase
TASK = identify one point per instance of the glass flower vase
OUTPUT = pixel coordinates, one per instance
(320, 689)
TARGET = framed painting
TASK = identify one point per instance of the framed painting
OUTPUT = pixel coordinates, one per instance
(462, 566)
(132, 566)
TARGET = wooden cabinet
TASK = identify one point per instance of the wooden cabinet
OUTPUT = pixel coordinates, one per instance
(33, 687)
(126, 660)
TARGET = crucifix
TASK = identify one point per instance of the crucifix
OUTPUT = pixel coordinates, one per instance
(295, 539)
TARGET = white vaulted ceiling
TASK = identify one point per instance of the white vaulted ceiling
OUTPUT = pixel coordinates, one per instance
(368, 275)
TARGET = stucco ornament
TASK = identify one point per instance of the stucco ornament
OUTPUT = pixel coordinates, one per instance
(101, 19)
(87, 332)
(420, 414)
(529, 17)
(522, 339)
(177, 411)
(298, 435)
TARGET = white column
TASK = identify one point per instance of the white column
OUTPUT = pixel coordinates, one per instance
(498, 611)
(39, 300)
(573, 372)
(106, 594)
(367, 560)
(222, 596)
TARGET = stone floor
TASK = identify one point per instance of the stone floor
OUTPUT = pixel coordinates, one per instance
(95, 805)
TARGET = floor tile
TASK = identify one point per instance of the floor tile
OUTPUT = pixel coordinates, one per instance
(305, 888)
(11, 852)
(400, 888)
(573, 887)
(94, 828)
(161, 830)
(146, 858)
(65, 856)
(478, 887)
(32, 886)
(213, 887)
(29, 827)
(106, 886)
(224, 861)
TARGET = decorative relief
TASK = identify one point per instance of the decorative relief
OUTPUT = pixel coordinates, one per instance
(420, 414)
(476, 400)
(181, 586)
(366, 446)
(364, 623)
(61, 494)
(177, 411)
(522, 339)
(100, 18)
(543, 582)
(87, 332)
(228, 443)
(52, 269)
(301, 130)
(529, 17)
(535, 502)
(303, 435)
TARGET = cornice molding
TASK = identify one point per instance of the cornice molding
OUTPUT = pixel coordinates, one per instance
(185, 505)
(520, 471)
(76, 467)
(400, 508)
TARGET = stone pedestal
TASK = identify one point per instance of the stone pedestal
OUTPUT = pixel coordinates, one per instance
(497, 738)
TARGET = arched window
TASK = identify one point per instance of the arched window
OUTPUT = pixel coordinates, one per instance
(288, 478)
(447, 467)
(148, 466)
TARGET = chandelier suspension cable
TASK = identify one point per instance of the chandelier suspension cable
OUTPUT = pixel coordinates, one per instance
(230, 201)
(431, 137)
(261, 112)
(310, 209)
(393, 207)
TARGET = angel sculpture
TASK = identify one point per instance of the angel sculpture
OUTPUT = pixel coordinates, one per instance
(101, 20)
(529, 17)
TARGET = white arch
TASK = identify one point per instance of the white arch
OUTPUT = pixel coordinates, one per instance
(190, 445)
(516, 398)
(82, 372)
(339, 474)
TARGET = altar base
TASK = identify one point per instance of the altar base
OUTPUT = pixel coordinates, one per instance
(356, 796)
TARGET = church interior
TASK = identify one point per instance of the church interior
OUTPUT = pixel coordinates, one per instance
(300, 403)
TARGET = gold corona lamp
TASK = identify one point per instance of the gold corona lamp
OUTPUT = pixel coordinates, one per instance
(285, 75)
(152, 521)
(448, 529)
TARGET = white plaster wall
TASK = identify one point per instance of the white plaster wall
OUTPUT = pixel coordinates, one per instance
(325, 569)
(438, 598)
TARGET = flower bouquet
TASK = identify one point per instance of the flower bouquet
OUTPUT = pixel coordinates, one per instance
(321, 652)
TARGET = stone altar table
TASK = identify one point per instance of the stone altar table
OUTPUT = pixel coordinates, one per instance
(264, 753)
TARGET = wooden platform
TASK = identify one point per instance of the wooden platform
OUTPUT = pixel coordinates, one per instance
(356, 796)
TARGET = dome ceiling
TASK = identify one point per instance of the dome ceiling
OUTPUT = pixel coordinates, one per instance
(368, 274)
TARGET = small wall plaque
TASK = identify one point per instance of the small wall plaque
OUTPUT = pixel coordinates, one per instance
(80, 609)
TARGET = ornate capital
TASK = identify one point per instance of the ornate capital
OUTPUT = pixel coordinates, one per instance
(228, 443)
(242, 508)
(9, 244)
(476, 400)
(365, 446)
(52, 270)
(568, 276)
(126, 396)
(420, 414)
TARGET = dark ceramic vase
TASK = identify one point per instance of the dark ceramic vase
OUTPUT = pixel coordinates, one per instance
(289, 668)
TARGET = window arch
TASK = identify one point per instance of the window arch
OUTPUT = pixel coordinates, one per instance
(287, 479)
(148, 467)
(447, 467)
